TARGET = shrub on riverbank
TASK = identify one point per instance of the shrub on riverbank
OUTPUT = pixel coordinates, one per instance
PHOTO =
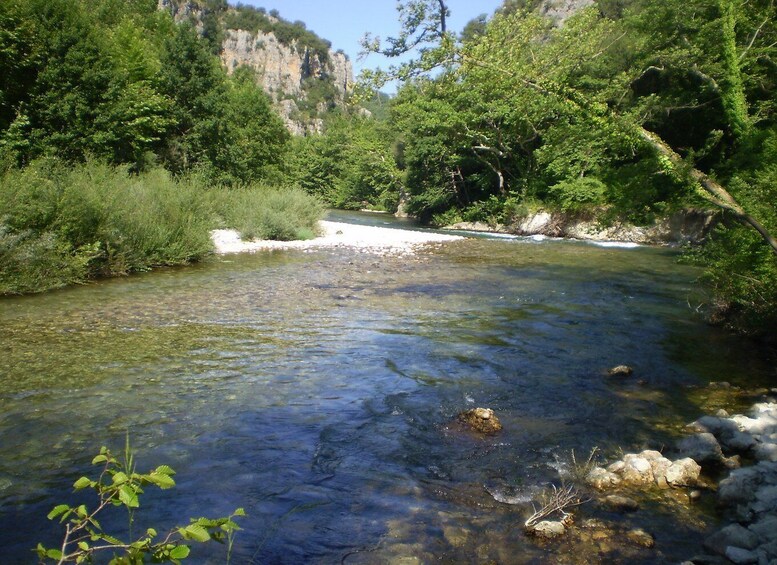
(259, 212)
(62, 225)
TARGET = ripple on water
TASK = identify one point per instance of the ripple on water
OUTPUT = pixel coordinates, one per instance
(320, 391)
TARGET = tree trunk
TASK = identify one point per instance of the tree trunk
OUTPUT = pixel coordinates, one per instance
(715, 192)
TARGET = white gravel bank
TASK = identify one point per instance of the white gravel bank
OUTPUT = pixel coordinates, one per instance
(368, 239)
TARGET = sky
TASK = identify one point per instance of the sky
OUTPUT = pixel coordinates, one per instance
(344, 22)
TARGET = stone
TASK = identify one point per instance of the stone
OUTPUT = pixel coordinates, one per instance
(740, 485)
(641, 537)
(702, 448)
(616, 467)
(741, 556)
(548, 529)
(732, 535)
(620, 371)
(482, 420)
(765, 529)
(621, 503)
(637, 470)
(766, 451)
(602, 478)
(765, 499)
(683, 472)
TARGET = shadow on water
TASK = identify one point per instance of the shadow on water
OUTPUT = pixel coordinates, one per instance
(320, 391)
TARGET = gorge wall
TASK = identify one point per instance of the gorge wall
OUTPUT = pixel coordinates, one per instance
(302, 81)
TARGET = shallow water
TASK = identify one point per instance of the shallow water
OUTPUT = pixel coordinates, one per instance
(319, 390)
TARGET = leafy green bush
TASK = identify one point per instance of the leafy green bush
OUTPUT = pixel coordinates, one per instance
(578, 194)
(32, 262)
(268, 213)
(63, 225)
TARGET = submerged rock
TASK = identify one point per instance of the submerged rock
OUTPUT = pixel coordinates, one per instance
(621, 503)
(641, 537)
(620, 371)
(482, 420)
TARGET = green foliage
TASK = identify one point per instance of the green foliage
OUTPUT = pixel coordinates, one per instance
(579, 194)
(65, 225)
(259, 212)
(119, 485)
(291, 34)
(350, 166)
(740, 270)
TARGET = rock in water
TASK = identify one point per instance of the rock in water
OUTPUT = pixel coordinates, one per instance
(641, 537)
(547, 529)
(620, 371)
(482, 420)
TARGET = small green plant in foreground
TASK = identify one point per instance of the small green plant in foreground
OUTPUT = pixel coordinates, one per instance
(119, 485)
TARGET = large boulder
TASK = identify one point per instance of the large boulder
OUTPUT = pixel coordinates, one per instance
(732, 535)
(702, 448)
(683, 472)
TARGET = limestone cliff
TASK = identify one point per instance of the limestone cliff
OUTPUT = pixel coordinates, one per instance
(286, 72)
(560, 10)
(302, 80)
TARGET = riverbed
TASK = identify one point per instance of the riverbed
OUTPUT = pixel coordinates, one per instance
(319, 388)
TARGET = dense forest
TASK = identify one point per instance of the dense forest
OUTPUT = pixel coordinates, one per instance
(627, 111)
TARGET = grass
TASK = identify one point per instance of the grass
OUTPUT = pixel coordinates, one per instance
(260, 212)
(62, 225)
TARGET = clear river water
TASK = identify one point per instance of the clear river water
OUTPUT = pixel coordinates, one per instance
(319, 390)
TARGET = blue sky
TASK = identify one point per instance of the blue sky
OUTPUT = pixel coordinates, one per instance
(344, 22)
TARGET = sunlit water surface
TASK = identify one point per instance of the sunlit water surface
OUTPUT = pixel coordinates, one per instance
(319, 391)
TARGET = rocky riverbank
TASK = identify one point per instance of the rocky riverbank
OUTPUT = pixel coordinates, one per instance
(744, 450)
(688, 226)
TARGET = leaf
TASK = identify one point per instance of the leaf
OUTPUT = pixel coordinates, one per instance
(120, 478)
(151, 532)
(128, 497)
(239, 512)
(54, 554)
(163, 481)
(195, 532)
(111, 539)
(180, 552)
(57, 511)
(164, 470)
(82, 483)
(99, 459)
(83, 546)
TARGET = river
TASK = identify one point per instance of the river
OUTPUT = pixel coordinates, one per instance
(319, 391)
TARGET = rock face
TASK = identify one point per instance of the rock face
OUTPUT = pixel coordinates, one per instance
(688, 226)
(482, 420)
(560, 10)
(683, 227)
(284, 70)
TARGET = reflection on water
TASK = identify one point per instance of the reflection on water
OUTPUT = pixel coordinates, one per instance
(317, 390)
